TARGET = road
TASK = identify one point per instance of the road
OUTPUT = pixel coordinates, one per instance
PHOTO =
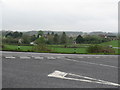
(45, 70)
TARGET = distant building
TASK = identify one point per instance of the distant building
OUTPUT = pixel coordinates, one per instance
(112, 37)
(20, 41)
(109, 36)
(40, 36)
(74, 42)
(32, 43)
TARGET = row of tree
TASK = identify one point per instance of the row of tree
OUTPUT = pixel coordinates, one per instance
(54, 38)
(91, 39)
(50, 38)
(14, 34)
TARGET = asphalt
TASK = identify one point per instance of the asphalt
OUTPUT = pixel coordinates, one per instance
(31, 70)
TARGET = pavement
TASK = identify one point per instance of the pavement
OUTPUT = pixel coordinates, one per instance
(48, 70)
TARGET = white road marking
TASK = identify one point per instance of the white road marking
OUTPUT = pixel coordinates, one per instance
(10, 57)
(72, 60)
(80, 57)
(39, 57)
(63, 75)
(97, 57)
(60, 57)
(92, 63)
(24, 57)
(53, 54)
(51, 58)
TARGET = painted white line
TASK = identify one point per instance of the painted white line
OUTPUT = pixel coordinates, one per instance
(115, 57)
(72, 60)
(80, 57)
(108, 65)
(99, 64)
(92, 63)
(52, 54)
(63, 75)
(97, 57)
(10, 57)
(60, 57)
(57, 74)
(38, 57)
(51, 58)
(24, 57)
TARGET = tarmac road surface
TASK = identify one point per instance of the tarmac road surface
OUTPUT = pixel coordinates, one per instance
(47, 70)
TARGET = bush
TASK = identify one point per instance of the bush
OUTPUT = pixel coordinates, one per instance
(40, 48)
(100, 49)
(10, 41)
(2, 47)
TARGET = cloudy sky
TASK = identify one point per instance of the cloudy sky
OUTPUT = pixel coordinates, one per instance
(73, 15)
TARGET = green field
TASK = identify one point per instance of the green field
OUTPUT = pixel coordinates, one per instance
(114, 43)
(78, 48)
(59, 49)
(69, 50)
(15, 47)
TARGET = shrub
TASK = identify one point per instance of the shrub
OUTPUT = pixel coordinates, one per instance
(2, 47)
(40, 48)
(100, 49)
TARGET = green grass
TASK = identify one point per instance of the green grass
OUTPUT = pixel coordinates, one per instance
(54, 48)
(68, 50)
(15, 47)
(114, 43)
(69, 46)
(81, 49)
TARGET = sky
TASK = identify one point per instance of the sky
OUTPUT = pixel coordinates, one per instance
(60, 15)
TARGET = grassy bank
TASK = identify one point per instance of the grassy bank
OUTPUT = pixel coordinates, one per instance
(15, 48)
(80, 49)
(54, 48)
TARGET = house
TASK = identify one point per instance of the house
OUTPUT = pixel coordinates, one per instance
(32, 43)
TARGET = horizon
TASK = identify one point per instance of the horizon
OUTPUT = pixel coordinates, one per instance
(58, 31)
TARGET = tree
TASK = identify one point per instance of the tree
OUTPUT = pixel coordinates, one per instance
(100, 49)
(70, 40)
(14, 34)
(50, 39)
(41, 46)
(10, 40)
(52, 33)
(40, 40)
(93, 39)
(33, 38)
(26, 39)
(40, 33)
(9, 34)
(79, 39)
(20, 34)
(56, 39)
(48, 33)
(63, 38)
(17, 34)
